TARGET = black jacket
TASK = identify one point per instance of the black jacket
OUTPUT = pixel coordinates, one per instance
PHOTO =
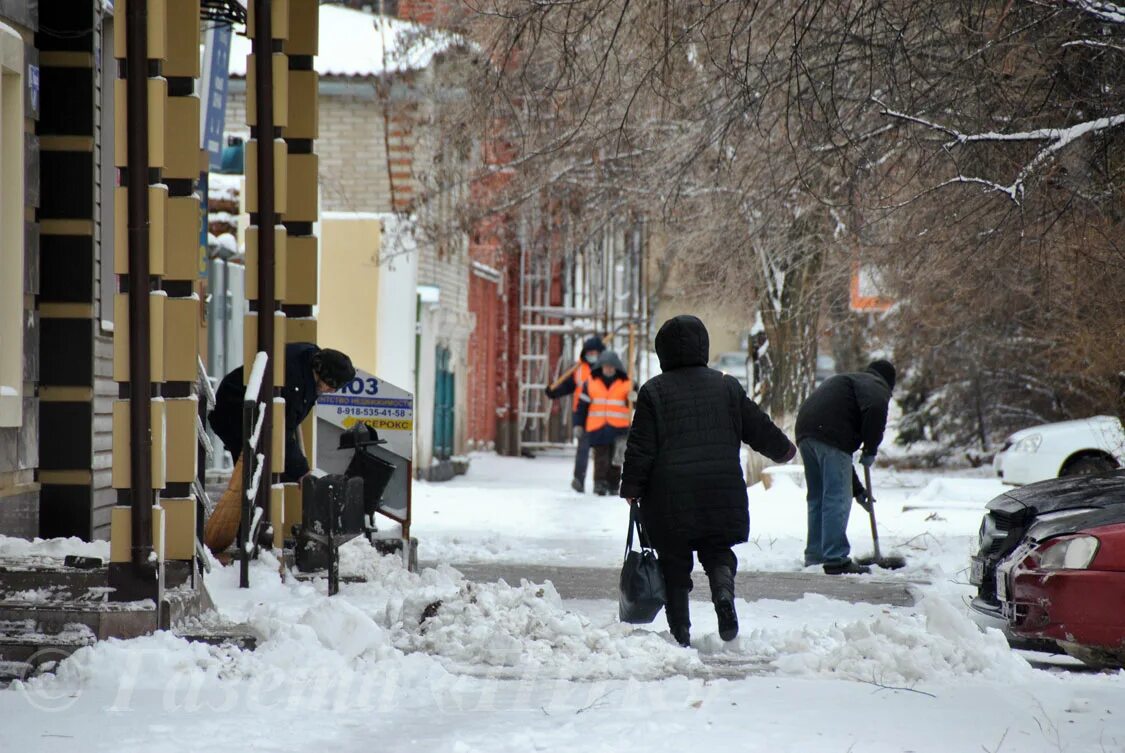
(300, 396)
(847, 411)
(682, 457)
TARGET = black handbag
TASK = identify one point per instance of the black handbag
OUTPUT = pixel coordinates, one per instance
(642, 582)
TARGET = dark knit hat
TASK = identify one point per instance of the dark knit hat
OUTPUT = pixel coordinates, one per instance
(884, 369)
(333, 367)
(593, 343)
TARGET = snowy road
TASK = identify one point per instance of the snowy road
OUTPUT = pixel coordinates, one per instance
(435, 661)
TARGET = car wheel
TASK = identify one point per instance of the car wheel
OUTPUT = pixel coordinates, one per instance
(1088, 466)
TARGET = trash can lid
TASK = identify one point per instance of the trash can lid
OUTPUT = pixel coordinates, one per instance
(360, 435)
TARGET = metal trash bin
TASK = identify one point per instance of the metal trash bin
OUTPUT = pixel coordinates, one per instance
(332, 516)
(338, 508)
(375, 472)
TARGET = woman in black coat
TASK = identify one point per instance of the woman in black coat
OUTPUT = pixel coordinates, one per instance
(682, 467)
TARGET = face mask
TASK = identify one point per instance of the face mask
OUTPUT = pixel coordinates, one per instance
(591, 358)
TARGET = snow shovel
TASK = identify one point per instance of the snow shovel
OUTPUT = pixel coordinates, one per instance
(891, 561)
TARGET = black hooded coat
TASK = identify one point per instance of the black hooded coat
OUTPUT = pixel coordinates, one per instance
(849, 411)
(682, 457)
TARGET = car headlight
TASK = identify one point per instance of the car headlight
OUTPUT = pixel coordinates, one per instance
(1068, 553)
(1029, 443)
(986, 532)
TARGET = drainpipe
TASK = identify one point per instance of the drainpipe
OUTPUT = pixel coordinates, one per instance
(267, 303)
(139, 284)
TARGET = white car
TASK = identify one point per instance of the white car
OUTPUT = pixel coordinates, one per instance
(733, 364)
(1067, 448)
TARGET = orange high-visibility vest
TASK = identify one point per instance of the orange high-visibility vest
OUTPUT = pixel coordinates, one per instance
(608, 405)
(581, 376)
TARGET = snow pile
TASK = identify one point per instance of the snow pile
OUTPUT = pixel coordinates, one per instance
(13, 547)
(224, 187)
(346, 630)
(225, 241)
(151, 661)
(412, 629)
(31, 596)
(415, 628)
(501, 630)
(324, 655)
(894, 648)
(955, 493)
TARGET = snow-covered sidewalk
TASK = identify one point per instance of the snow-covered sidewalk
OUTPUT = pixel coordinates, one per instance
(521, 510)
(432, 662)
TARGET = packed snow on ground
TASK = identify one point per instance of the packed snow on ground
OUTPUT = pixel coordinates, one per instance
(429, 661)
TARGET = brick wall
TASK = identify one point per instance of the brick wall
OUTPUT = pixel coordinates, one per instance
(426, 12)
(483, 385)
(351, 149)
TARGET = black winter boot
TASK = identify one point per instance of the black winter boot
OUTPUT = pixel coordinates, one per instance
(847, 567)
(679, 617)
(722, 595)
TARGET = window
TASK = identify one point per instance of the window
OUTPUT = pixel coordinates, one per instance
(11, 227)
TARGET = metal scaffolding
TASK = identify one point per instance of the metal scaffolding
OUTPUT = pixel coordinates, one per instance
(573, 285)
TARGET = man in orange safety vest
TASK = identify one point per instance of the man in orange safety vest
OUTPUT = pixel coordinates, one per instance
(571, 383)
(608, 401)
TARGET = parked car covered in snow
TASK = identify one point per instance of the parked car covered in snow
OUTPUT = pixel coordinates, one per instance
(1067, 448)
(1050, 567)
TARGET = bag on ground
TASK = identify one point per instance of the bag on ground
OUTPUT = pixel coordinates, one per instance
(642, 582)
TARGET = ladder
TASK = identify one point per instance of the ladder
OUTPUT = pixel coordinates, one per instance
(536, 328)
(599, 291)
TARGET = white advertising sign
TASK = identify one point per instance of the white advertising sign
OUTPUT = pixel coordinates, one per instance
(379, 404)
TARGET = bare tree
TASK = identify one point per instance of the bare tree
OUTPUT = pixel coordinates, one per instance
(969, 150)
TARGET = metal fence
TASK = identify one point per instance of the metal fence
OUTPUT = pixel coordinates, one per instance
(254, 495)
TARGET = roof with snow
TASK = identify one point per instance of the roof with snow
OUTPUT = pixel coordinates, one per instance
(355, 43)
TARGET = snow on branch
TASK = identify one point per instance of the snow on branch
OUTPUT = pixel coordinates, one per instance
(1094, 44)
(1057, 139)
(1103, 11)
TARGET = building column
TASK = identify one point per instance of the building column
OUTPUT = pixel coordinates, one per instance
(300, 272)
(68, 268)
(157, 308)
(180, 282)
(267, 193)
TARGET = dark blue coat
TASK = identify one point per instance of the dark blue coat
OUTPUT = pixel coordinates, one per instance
(300, 396)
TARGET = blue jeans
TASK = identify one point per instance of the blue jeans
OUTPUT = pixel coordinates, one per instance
(582, 458)
(828, 478)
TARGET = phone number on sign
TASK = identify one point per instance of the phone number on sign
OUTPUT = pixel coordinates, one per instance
(368, 412)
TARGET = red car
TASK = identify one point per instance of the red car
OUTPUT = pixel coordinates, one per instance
(1051, 567)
